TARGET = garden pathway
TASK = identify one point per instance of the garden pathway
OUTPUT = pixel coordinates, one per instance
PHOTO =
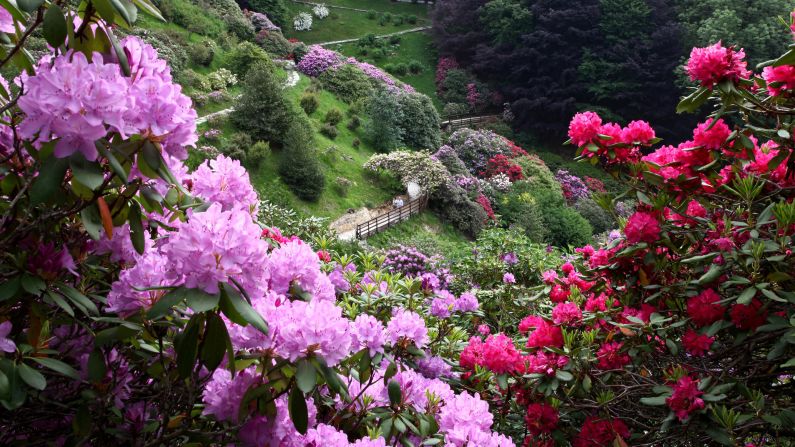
(406, 31)
(292, 79)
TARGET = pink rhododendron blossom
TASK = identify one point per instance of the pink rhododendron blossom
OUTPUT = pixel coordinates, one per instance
(223, 394)
(126, 297)
(499, 354)
(296, 264)
(639, 132)
(779, 79)
(407, 325)
(685, 398)
(712, 64)
(463, 417)
(368, 333)
(545, 335)
(508, 278)
(584, 128)
(442, 305)
(567, 313)
(642, 227)
(711, 136)
(214, 246)
(225, 181)
(315, 328)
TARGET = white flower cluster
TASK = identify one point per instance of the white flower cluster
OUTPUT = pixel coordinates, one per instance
(302, 22)
(500, 182)
(321, 11)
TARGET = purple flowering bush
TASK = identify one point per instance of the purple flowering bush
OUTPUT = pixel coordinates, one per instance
(476, 147)
(143, 303)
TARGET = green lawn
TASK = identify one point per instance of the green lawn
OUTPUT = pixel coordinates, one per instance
(346, 24)
(419, 9)
(413, 46)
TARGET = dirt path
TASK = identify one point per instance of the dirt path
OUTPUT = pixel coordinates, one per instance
(406, 31)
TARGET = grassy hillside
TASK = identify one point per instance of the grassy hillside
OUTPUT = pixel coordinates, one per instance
(339, 158)
(425, 231)
(412, 47)
(347, 24)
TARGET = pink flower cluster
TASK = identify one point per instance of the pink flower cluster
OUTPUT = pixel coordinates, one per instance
(715, 63)
(78, 101)
(611, 141)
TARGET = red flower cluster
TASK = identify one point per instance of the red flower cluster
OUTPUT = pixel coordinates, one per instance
(484, 202)
(715, 63)
(704, 308)
(598, 432)
(541, 418)
(697, 344)
(500, 164)
(685, 398)
(642, 227)
(611, 357)
(610, 141)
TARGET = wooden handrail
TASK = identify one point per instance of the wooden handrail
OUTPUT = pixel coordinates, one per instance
(391, 218)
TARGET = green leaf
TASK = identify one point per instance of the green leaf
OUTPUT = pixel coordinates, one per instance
(92, 221)
(201, 301)
(126, 10)
(29, 5)
(149, 8)
(88, 173)
(10, 288)
(57, 299)
(787, 58)
(653, 401)
(33, 284)
(118, 169)
(305, 376)
(188, 346)
(96, 366)
(296, 406)
(166, 302)
(33, 378)
(5, 385)
(78, 298)
(693, 101)
(54, 26)
(502, 381)
(137, 233)
(113, 334)
(712, 274)
(563, 376)
(120, 54)
(238, 310)
(713, 397)
(215, 342)
(57, 366)
(395, 394)
(49, 180)
(746, 296)
(789, 363)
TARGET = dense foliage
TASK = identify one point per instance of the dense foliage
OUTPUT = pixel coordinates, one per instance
(619, 56)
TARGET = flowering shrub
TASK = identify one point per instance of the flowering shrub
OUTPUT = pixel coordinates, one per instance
(261, 22)
(320, 11)
(682, 318)
(500, 164)
(573, 187)
(476, 147)
(413, 263)
(444, 65)
(302, 21)
(417, 167)
(221, 79)
(143, 304)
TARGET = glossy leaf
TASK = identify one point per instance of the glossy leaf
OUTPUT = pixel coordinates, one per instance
(54, 26)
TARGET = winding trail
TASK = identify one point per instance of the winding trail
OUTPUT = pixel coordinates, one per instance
(398, 33)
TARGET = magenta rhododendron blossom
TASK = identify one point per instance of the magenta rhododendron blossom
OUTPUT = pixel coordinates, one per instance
(567, 313)
(642, 227)
(584, 128)
(711, 136)
(610, 356)
(685, 398)
(715, 63)
(225, 181)
(705, 308)
(637, 132)
(214, 246)
(779, 79)
(500, 356)
(697, 344)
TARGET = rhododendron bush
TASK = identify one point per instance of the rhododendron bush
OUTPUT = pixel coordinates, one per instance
(681, 330)
(144, 304)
